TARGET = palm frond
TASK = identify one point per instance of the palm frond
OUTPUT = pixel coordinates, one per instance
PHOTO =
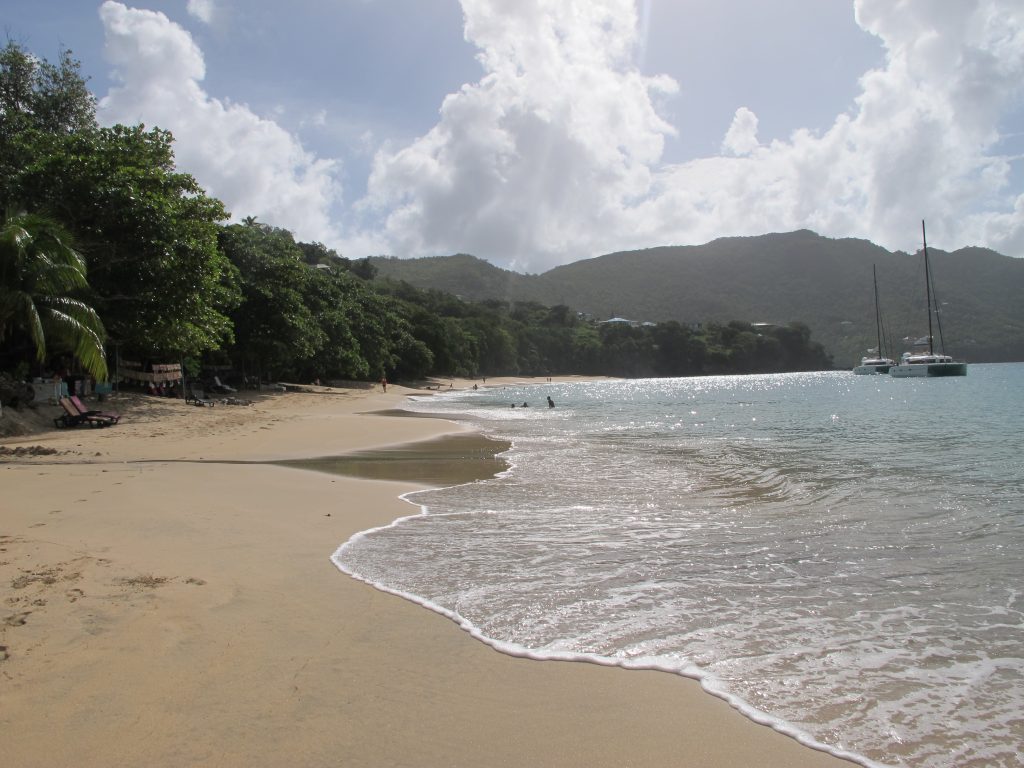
(26, 309)
(38, 266)
(77, 325)
(14, 236)
(77, 310)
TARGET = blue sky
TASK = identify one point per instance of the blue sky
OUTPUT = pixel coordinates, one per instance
(537, 132)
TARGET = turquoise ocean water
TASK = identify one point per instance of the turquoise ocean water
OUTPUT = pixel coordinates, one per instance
(839, 556)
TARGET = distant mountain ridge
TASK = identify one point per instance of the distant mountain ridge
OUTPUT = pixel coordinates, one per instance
(774, 278)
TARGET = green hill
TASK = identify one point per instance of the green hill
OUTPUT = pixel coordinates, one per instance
(776, 278)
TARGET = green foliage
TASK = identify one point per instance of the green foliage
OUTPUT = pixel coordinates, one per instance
(37, 98)
(40, 273)
(148, 232)
(386, 339)
(364, 269)
(40, 95)
(298, 320)
(330, 297)
(464, 276)
(318, 254)
(272, 324)
(496, 338)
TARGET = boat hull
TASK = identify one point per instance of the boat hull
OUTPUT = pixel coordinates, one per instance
(927, 370)
(871, 370)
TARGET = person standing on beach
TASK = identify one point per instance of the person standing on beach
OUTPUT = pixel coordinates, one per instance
(384, 383)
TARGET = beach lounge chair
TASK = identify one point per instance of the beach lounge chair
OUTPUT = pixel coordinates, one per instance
(82, 409)
(72, 417)
(220, 388)
(197, 396)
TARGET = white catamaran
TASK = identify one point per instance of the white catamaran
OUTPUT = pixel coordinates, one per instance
(926, 361)
(875, 361)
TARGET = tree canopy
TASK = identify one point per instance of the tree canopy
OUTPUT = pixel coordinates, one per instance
(149, 235)
(148, 232)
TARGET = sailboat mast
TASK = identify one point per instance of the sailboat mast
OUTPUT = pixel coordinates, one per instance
(878, 316)
(927, 286)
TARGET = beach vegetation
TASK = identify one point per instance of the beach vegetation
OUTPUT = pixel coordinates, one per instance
(272, 324)
(41, 275)
(307, 320)
(37, 99)
(147, 232)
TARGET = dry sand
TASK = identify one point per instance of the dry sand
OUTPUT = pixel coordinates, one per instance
(172, 612)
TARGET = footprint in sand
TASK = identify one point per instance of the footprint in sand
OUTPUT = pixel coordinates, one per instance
(17, 619)
(73, 594)
(144, 581)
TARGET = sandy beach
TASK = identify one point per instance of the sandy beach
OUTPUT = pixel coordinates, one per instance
(163, 605)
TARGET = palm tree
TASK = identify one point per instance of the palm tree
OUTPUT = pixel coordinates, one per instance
(39, 269)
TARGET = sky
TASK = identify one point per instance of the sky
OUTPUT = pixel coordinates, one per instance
(533, 133)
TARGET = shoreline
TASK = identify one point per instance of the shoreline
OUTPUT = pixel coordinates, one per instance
(172, 613)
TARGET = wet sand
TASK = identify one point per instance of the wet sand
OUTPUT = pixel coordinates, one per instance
(443, 461)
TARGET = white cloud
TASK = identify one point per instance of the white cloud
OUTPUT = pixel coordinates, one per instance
(201, 9)
(556, 153)
(927, 124)
(741, 139)
(554, 142)
(251, 163)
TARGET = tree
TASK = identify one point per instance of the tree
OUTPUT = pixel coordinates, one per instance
(274, 327)
(39, 272)
(328, 294)
(385, 338)
(149, 235)
(318, 253)
(49, 97)
(627, 351)
(364, 269)
(147, 232)
(673, 350)
(37, 98)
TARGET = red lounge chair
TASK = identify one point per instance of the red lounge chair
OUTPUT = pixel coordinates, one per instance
(74, 418)
(82, 409)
